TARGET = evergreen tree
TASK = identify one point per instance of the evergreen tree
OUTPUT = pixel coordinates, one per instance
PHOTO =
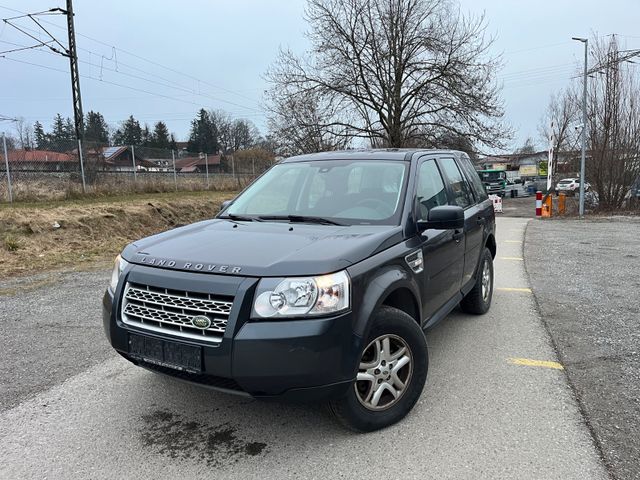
(40, 137)
(62, 137)
(161, 135)
(147, 137)
(96, 129)
(58, 132)
(204, 134)
(69, 129)
(129, 133)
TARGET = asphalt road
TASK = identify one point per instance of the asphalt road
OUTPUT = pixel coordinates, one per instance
(93, 415)
(586, 278)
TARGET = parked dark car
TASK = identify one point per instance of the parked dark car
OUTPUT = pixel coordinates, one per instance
(317, 282)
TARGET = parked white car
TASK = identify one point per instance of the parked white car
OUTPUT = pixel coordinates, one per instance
(570, 185)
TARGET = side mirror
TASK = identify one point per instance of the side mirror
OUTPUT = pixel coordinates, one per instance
(225, 204)
(445, 217)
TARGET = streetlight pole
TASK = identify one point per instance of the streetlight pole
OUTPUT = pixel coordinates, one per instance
(584, 123)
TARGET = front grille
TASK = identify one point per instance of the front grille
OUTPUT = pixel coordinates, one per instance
(171, 311)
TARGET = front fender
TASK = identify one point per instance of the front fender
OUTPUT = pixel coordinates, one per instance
(375, 286)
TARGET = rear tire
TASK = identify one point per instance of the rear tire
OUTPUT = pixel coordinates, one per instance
(397, 350)
(478, 300)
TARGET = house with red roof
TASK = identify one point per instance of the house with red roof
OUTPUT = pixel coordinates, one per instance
(41, 161)
(199, 164)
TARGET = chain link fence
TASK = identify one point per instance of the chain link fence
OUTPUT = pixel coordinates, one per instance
(73, 169)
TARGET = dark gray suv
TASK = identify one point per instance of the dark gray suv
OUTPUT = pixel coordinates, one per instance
(317, 282)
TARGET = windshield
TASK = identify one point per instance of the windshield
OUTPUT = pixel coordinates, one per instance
(492, 176)
(348, 192)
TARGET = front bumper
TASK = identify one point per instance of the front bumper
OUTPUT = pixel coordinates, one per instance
(297, 360)
(494, 189)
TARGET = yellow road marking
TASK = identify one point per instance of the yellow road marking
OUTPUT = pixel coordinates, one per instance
(512, 289)
(513, 241)
(519, 259)
(527, 362)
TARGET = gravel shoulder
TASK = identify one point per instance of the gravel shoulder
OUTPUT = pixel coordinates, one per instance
(51, 330)
(586, 278)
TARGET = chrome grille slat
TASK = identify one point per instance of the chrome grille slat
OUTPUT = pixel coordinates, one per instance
(178, 319)
(168, 311)
(201, 305)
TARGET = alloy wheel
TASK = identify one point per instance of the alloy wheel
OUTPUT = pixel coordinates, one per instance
(486, 280)
(384, 372)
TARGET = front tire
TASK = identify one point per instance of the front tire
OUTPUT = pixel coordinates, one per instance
(478, 300)
(391, 374)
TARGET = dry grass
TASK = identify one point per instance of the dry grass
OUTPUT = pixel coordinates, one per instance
(91, 230)
(55, 187)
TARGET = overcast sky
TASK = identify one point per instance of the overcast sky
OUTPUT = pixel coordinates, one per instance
(161, 60)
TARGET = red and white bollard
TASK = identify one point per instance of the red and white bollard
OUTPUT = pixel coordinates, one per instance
(538, 204)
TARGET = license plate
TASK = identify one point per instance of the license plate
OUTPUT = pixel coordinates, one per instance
(165, 353)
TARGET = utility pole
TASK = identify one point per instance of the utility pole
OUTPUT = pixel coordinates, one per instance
(56, 46)
(75, 76)
(584, 123)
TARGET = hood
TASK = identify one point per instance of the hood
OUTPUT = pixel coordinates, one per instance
(262, 248)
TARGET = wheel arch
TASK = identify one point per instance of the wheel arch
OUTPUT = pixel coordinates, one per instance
(490, 243)
(403, 299)
(392, 286)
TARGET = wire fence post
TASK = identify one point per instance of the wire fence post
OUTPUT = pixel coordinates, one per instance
(133, 160)
(206, 166)
(233, 167)
(6, 162)
(84, 186)
(175, 176)
(253, 166)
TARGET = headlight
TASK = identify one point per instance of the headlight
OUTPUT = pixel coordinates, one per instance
(118, 268)
(303, 296)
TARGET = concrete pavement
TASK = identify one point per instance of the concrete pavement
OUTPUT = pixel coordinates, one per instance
(482, 414)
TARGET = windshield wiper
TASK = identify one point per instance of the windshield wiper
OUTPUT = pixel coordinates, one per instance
(302, 219)
(240, 218)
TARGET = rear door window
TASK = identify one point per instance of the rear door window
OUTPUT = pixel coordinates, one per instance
(460, 189)
(474, 179)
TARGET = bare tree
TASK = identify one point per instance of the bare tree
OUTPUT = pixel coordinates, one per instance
(11, 141)
(300, 122)
(242, 134)
(528, 147)
(613, 126)
(233, 134)
(399, 73)
(24, 133)
(560, 121)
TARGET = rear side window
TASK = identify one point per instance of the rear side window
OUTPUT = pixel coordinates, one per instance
(474, 179)
(430, 192)
(462, 196)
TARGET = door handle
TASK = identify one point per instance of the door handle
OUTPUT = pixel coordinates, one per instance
(481, 220)
(457, 235)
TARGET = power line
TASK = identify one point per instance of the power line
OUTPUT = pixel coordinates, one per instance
(541, 47)
(537, 70)
(6, 118)
(144, 79)
(152, 62)
(19, 49)
(170, 84)
(105, 81)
